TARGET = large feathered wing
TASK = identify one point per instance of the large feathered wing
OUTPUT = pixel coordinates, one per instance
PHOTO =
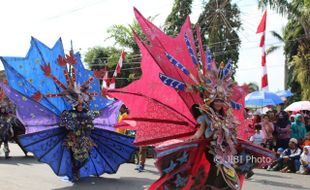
(33, 115)
(157, 111)
(24, 74)
(36, 85)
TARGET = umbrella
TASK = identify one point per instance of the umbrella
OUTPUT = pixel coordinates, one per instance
(297, 106)
(284, 93)
(262, 99)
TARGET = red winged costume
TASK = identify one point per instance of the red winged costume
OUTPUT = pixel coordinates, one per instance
(160, 102)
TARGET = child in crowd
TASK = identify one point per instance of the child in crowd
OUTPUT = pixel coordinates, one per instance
(305, 161)
(258, 137)
(307, 140)
(275, 162)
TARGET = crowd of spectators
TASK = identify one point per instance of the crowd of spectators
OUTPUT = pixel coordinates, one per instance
(287, 134)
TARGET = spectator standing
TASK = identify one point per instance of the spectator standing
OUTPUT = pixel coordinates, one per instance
(298, 129)
(267, 128)
(123, 113)
(282, 130)
(142, 157)
(307, 122)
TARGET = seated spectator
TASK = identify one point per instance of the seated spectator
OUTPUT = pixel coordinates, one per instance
(275, 162)
(305, 161)
(258, 137)
(307, 140)
(289, 159)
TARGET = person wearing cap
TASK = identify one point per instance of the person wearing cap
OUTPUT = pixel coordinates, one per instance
(272, 166)
(289, 159)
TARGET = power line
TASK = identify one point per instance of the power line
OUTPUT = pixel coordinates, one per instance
(74, 10)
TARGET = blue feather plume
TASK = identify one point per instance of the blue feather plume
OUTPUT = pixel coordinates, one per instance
(172, 82)
(190, 49)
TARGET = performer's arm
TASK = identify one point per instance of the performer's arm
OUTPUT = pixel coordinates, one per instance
(199, 132)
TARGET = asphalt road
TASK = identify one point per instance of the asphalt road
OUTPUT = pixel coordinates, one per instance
(26, 173)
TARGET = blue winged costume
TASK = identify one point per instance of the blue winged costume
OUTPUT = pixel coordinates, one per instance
(60, 104)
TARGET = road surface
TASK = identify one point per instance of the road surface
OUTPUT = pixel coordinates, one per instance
(26, 173)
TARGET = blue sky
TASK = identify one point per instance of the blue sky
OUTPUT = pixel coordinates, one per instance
(86, 21)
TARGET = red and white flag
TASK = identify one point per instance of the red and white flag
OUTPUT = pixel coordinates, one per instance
(262, 29)
(105, 82)
(117, 70)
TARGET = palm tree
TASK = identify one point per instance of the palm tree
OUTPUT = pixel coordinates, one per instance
(301, 63)
(276, 47)
(297, 41)
(297, 9)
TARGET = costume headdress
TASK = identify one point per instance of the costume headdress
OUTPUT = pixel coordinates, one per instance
(212, 82)
(74, 93)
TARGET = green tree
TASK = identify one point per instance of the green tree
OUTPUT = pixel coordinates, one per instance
(294, 9)
(253, 87)
(124, 37)
(99, 57)
(220, 22)
(297, 40)
(301, 63)
(180, 10)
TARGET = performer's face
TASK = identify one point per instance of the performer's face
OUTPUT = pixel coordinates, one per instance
(2, 110)
(80, 107)
(218, 105)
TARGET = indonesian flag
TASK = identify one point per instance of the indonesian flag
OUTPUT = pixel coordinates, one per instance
(105, 82)
(262, 25)
(262, 29)
(117, 70)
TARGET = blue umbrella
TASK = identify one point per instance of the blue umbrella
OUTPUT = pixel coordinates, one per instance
(284, 93)
(261, 99)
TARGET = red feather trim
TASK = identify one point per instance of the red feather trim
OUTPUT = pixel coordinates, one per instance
(37, 96)
(46, 68)
(71, 59)
(61, 61)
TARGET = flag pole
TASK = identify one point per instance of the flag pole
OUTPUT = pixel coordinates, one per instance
(262, 29)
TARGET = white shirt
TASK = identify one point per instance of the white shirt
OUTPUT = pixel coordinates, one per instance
(257, 138)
